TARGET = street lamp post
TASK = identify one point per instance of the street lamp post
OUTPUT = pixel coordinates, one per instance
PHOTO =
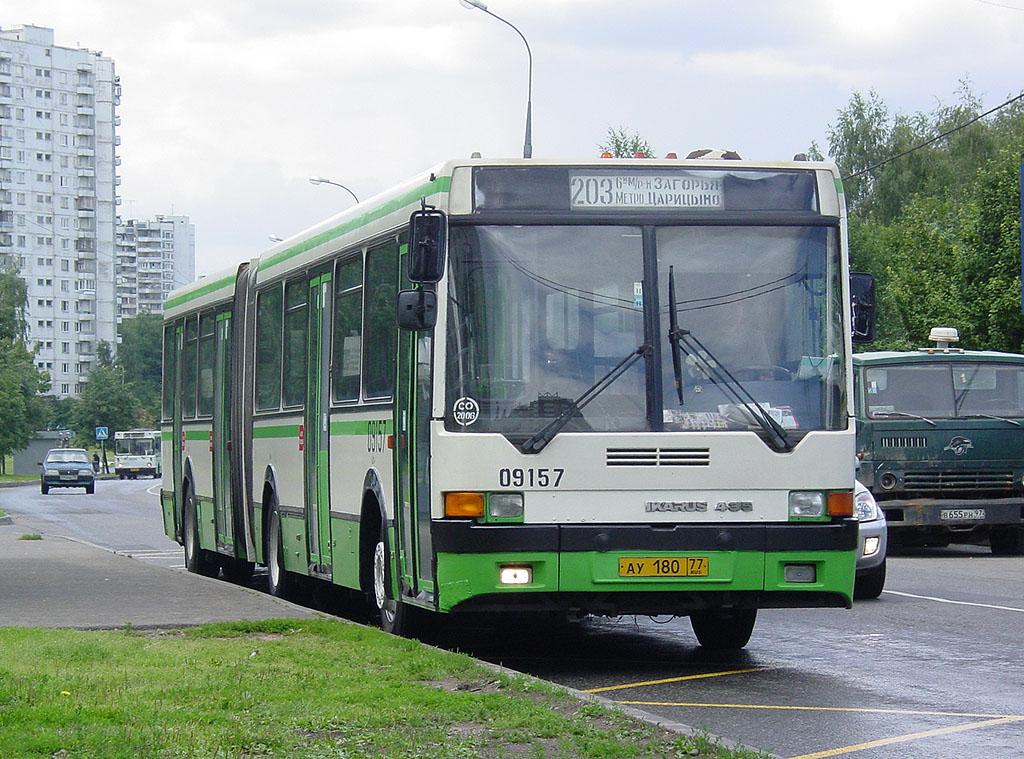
(528, 141)
(325, 180)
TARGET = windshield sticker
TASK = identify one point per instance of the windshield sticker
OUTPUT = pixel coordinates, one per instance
(465, 411)
(638, 295)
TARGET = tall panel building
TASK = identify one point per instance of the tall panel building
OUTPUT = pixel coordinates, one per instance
(154, 256)
(57, 196)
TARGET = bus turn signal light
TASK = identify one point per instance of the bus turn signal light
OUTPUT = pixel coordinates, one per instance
(463, 504)
(840, 504)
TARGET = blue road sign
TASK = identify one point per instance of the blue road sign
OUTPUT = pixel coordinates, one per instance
(101, 433)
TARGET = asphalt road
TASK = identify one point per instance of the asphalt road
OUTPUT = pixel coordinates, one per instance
(122, 515)
(933, 669)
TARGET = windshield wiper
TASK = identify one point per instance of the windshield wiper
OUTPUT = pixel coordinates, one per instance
(684, 341)
(993, 416)
(906, 414)
(674, 335)
(539, 441)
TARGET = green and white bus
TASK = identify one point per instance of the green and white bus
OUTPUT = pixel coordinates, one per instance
(136, 453)
(607, 387)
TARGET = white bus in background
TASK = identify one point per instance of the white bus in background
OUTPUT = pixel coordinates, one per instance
(137, 452)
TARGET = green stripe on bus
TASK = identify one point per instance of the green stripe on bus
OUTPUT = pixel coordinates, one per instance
(197, 434)
(224, 316)
(362, 427)
(281, 430)
(441, 184)
(200, 292)
(167, 435)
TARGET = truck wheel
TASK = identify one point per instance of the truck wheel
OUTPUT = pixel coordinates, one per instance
(1007, 541)
(871, 583)
(720, 629)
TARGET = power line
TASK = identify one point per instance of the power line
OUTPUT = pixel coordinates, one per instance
(935, 139)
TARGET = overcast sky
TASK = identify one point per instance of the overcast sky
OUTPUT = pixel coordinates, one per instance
(228, 106)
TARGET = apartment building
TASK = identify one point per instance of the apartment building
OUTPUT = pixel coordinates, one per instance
(154, 256)
(58, 179)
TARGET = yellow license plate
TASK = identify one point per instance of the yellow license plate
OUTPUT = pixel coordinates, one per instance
(647, 566)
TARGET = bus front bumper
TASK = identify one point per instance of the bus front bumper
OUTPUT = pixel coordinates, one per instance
(587, 568)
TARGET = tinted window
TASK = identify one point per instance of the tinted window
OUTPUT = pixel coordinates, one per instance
(295, 325)
(268, 348)
(380, 329)
(346, 354)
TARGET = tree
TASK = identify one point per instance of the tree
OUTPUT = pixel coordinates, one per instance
(20, 381)
(139, 356)
(622, 144)
(939, 226)
(107, 401)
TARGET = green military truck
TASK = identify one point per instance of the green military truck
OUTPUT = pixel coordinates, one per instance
(940, 438)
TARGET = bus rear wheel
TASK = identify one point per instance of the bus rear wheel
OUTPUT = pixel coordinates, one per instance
(720, 629)
(196, 559)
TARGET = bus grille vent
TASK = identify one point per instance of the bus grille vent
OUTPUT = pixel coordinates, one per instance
(923, 481)
(903, 442)
(658, 457)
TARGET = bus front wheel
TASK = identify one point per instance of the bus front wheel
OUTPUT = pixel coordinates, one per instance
(721, 629)
(392, 612)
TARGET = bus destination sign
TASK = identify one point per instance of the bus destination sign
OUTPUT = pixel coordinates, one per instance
(645, 190)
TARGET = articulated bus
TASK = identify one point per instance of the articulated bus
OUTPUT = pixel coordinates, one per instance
(577, 388)
(137, 452)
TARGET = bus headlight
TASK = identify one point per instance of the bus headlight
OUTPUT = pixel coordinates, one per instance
(806, 504)
(505, 505)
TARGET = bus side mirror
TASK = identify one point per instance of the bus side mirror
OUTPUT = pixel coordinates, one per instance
(862, 307)
(428, 234)
(417, 309)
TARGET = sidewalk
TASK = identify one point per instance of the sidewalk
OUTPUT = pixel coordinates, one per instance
(60, 582)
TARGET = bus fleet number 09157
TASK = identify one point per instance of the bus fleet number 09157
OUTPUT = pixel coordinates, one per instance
(530, 478)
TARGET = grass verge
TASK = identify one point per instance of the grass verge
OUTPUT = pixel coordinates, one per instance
(296, 689)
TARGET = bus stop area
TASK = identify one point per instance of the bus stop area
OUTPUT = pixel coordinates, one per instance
(56, 581)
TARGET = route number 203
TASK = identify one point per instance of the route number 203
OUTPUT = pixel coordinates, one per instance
(530, 478)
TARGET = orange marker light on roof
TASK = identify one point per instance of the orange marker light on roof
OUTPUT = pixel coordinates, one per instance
(606, 154)
(639, 154)
(671, 155)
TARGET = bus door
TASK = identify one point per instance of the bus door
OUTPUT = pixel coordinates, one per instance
(317, 426)
(220, 443)
(177, 340)
(412, 456)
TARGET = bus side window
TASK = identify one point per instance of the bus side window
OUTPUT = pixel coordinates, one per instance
(206, 362)
(380, 334)
(295, 327)
(346, 353)
(169, 365)
(268, 348)
(189, 361)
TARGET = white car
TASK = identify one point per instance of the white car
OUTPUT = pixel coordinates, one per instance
(871, 545)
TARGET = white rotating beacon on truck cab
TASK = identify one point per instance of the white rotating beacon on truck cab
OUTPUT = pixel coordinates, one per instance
(611, 387)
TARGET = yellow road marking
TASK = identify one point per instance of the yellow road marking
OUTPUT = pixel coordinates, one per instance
(909, 737)
(1011, 717)
(676, 679)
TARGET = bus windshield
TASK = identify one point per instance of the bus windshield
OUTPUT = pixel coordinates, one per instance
(135, 446)
(538, 314)
(944, 390)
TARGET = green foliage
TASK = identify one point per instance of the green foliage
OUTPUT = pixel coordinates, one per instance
(139, 356)
(623, 144)
(939, 227)
(107, 401)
